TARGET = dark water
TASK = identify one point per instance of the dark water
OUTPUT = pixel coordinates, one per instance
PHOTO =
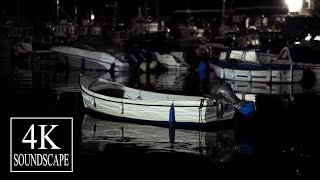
(279, 140)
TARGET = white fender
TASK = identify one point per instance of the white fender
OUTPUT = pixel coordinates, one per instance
(249, 76)
(232, 74)
(121, 108)
(222, 73)
(269, 75)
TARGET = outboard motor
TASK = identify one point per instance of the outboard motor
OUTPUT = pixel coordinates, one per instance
(222, 91)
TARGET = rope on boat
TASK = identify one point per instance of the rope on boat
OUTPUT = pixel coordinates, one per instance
(139, 97)
(291, 72)
(66, 60)
(83, 64)
(127, 95)
(200, 110)
(94, 103)
(122, 107)
(269, 75)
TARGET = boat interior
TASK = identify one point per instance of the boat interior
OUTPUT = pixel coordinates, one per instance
(112, 89)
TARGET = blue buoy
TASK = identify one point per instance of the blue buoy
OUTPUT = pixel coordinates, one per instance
(247, 109)
(202, 70)
(172, 119)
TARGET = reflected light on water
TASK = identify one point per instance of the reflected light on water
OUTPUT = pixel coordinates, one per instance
(247, 97)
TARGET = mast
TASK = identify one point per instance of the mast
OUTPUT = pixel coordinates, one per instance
(222, 17)
(115, 13)
(157, 9)
(58, 11)
(75, 12)
(59, 8)
(18, 11)
(145, 8)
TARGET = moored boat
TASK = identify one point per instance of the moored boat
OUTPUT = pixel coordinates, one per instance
(249, 65)
(114, 99)
(88, 59)
(171, 61)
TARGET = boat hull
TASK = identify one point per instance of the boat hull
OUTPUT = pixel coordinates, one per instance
(82, 59)
(314, 68)
(171, 62)
(262, 75)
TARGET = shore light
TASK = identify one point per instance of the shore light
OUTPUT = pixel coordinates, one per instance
(294, 5)
(92, 15)
(308, 38)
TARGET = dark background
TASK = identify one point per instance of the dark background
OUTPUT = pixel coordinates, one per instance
(45, 9)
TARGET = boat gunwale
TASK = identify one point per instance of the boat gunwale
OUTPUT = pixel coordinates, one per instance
(56, 49)
(121, 100)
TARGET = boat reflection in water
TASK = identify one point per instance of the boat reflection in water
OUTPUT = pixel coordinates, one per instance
(97, 133)
(273, 88)
(252, 90)
(167, 80)
(68, 81)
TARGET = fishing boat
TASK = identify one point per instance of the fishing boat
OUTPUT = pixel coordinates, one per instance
(110, 98)
(249, 65)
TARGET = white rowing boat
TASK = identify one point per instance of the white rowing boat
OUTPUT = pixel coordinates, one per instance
(103, 96)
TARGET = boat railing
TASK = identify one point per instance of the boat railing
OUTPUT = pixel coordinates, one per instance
(20, 32)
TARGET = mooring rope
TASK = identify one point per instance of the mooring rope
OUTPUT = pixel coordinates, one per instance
(200, 111)
(139, 97)
(122, 107)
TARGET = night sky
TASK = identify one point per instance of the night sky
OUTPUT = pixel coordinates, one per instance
(41, 9)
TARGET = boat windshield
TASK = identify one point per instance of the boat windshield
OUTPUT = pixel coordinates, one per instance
(246, 56)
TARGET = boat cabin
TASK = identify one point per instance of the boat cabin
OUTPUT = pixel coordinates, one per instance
(63, 30)
(249, 56)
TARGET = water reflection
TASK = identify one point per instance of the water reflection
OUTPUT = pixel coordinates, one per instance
(244, 87)
(31, 80)
(282, 95)
(167, 80)
(99, 132)
(279, 139)
(45, 74)
(68, 81)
